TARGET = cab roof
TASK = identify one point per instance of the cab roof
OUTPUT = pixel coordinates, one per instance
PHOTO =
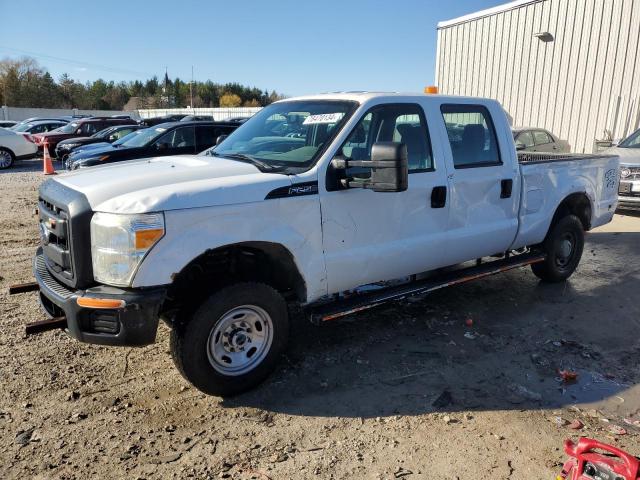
(365, 96)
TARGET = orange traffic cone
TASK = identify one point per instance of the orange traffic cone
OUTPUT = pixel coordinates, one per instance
(46, 161)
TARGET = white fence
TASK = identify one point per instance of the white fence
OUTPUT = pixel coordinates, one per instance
(217, 113)
(19, 113)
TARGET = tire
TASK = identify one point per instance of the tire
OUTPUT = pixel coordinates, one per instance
(6, 158)
(563, 246)
(212, 348)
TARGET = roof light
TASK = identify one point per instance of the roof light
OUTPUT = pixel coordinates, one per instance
(431, 90)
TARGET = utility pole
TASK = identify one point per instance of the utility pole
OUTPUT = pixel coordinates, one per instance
(191, 87)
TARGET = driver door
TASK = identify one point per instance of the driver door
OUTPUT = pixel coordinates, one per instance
(372, 236)
(180, 141)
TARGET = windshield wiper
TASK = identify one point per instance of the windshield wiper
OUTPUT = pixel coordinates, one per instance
(247, 159)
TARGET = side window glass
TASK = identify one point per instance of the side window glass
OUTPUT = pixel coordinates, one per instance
(541, 137)
(179, 138)
(206, 136)
(390, 123)
(88, 129)
(471, 135)
(526, 139)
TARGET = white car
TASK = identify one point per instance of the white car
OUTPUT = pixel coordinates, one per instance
(14, 145)
(306, 202)
(629, 152)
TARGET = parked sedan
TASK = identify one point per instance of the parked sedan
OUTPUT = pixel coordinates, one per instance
(538, 140)
(107, 135)
(174, 138)
(14, 146)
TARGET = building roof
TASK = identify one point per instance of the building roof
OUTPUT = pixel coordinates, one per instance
(486, 13)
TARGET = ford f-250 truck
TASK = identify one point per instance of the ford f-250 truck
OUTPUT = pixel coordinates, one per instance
(309, 200)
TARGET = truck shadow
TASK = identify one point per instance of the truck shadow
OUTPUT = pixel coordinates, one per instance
(421, 356)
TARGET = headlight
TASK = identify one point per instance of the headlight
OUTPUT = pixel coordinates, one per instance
(120, 242)
(69, 146)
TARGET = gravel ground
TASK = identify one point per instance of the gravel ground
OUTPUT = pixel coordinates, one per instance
(405, 391)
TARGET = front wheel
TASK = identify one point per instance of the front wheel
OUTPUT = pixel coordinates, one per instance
(232, 342)
(563, 246)
(6, 158)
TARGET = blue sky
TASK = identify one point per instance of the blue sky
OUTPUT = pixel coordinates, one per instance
(294, 47)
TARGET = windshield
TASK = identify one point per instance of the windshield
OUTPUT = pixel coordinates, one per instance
(126, 138)
(104, 133)
(141, 137)
(68, 128)
(287, 134)
(632, 141)
(23, 127)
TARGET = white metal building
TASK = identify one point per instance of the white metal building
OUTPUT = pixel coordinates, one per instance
(570, 66)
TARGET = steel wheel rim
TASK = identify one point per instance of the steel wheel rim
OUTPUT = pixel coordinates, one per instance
(5, 159)
(240, 340)
(566, 249)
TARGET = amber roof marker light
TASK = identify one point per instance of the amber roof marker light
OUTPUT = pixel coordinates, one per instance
(431, 90)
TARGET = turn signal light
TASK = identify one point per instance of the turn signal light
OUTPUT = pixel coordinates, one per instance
(146, 239)
(100, 303)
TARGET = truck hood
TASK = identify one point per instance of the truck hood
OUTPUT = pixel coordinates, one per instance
(171, 183)
(628, 156)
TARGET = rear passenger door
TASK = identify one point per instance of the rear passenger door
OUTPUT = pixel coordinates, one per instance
(483, 181)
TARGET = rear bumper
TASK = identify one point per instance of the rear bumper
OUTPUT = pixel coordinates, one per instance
(135, 324)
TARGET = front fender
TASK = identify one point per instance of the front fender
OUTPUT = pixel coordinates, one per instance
(293, 223)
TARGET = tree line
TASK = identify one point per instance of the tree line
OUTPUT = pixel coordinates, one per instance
(24, 83)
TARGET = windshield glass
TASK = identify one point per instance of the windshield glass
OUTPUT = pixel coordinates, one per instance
(141, 137)
(104, 133)
(68, 128)
(632, 141)
(23, 127)
(287, 134)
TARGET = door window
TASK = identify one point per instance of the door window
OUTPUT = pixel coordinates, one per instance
(207, 135)
(526, 139)
(390, 123)
(471, 135)
(178, 138)
(542, 138)
(89, 128)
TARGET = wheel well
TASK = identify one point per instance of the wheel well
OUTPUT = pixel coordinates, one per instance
(8, 150)
(265, 262)
(577, 204)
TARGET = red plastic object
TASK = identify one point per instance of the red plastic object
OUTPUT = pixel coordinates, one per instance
(586, 464)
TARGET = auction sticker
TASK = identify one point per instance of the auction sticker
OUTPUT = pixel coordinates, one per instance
(323, 118)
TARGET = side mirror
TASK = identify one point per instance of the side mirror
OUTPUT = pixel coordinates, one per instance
(520, 146)
(389, 168)
(221, 139)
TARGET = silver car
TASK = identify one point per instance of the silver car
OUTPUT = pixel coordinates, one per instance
(538, 140)
(629, 152)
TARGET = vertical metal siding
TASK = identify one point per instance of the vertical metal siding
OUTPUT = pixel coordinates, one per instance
(583, 83)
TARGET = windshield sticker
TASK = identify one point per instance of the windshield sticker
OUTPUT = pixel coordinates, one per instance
(323, 118)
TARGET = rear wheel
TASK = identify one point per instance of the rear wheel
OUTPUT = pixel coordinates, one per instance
(563, 246)
(6, 158)
(232, 342)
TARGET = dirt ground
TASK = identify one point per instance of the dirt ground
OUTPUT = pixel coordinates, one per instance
(404, 391)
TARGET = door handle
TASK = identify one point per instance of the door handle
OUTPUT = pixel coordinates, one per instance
(506, 186)
(439, 197)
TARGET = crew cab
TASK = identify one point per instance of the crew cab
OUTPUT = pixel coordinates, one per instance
(331, 204)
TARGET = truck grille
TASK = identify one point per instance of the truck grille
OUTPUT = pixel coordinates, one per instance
(629, 173)
(64, 219)
(54, 236)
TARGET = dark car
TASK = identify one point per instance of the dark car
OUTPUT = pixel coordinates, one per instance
(108, 135)
(176, 138)
(150, 122)
(7, 123)
(84, 127)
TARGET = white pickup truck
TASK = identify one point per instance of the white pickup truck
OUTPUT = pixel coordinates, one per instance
(307, 202)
